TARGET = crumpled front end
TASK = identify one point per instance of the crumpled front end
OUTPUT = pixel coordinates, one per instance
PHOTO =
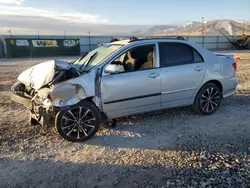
(52, 86)
(65, 94)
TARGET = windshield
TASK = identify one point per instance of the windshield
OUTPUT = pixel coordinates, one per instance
(95, 56)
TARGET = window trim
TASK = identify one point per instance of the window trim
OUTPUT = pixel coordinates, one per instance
(202, 59)
(157, 62)
(194, 50)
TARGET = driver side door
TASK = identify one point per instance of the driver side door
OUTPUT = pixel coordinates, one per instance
(132, 92)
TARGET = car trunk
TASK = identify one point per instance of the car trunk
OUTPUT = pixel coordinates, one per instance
(228, 62)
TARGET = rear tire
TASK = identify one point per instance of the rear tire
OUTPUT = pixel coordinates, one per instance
(78, 123)
(208, 99)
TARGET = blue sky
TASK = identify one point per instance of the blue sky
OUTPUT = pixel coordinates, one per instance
(141, 12)
(111, 16)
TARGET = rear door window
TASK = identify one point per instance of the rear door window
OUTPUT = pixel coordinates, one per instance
(197, 57)
(173, 54)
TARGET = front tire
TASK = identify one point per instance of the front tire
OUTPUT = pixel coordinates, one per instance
(208, 99)
(78, 123)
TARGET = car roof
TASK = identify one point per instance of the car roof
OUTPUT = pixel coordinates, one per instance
(135, 40)
(121, 42)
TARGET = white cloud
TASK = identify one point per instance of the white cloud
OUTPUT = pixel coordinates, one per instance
(75, 17)
(23, 25)
(17, 2)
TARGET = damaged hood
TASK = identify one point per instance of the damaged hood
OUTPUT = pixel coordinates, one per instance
(67, 86)
(42, 74)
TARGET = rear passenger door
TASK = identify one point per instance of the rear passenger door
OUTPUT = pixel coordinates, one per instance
(182, 70)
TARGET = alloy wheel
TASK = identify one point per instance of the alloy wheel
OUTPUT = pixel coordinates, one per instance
(78, 122)
(210, 99)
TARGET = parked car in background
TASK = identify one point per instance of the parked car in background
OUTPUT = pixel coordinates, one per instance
(124, 78)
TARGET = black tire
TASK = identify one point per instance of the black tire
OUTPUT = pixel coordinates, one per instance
(78, 123)
(208, 99)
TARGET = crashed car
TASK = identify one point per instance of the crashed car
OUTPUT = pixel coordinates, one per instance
(124, 78)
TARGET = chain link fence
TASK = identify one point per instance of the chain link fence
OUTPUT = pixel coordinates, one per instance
(88, 42)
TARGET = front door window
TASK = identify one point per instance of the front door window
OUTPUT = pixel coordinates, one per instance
(138, 58)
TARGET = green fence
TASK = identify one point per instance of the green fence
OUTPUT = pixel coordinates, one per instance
(19, 47)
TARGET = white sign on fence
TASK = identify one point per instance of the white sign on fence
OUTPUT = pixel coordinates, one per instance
(69, 43)
(22, 43)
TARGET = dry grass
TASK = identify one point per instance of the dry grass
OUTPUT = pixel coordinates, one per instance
(243, 73)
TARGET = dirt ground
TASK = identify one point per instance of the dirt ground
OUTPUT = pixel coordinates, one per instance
(171, 148)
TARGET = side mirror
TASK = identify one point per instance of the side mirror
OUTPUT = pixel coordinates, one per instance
(113, 68)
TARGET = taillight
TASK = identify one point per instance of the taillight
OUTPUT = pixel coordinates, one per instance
(237, 58)
(235, 65)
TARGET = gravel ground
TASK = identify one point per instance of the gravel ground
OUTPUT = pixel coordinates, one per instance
(171, 148)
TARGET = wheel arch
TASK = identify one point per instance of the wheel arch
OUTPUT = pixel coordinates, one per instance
(97, 103)
(95, 100)
(216, 82)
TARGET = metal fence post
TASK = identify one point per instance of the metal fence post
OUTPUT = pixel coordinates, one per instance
(217, 42)
(89, 42)
(203, 40)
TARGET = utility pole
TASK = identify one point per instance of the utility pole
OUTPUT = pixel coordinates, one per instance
(64, 34)
(202, 32)
(244, 27)
(38, 34)
(89, 41)
(203, 40)
(9, 31)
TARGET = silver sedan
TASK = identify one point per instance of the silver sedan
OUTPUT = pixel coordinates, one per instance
(125, 78)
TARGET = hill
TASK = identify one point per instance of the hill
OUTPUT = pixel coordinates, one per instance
(195, 28)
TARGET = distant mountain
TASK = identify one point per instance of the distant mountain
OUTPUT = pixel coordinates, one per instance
(195, 28)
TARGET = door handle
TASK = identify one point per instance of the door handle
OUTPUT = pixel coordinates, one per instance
(198, 68)
(153, 75)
